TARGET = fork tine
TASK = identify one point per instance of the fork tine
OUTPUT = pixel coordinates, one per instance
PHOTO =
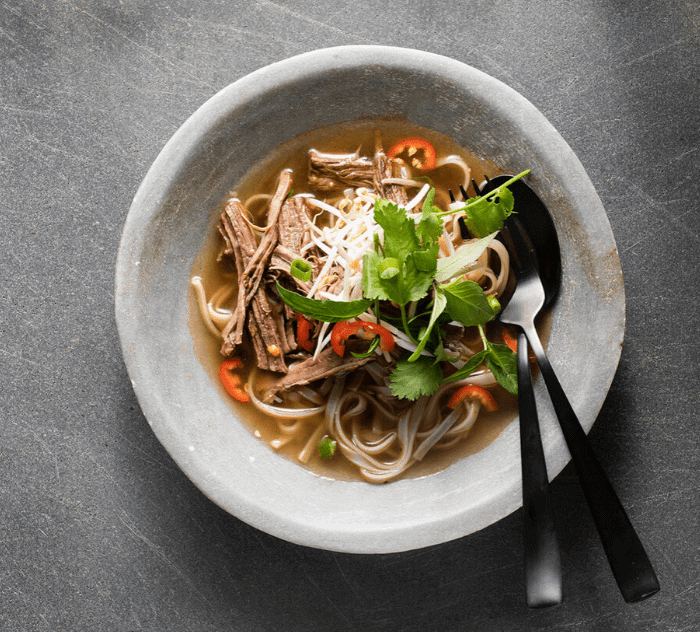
(476, 187)
(463, 191)
(452, 197)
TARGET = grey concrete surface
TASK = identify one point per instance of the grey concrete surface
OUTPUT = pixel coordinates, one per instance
(101, 531)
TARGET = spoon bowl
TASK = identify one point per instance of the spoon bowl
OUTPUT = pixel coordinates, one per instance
(537, 222)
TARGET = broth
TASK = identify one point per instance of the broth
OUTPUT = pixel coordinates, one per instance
(337, 139)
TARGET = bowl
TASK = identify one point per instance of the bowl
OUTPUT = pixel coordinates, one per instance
(169, 221)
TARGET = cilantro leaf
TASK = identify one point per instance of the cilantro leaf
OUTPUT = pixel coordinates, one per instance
(415, 283)
(410, 380)
(325, 311)
(398, 274)
(400, 238)
(429, 227)
(467, 303)
(485, 214)
(375, 287)
(426, 259)
(410, 283)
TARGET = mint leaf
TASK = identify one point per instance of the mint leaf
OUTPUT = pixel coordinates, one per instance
(325, 311)
(504, 366)
(467, 303)
(410, 380)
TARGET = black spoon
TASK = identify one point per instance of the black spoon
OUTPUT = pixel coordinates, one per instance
(628, 560)
(543, 579)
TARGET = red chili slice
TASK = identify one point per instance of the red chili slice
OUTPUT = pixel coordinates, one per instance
(416, 152)
(304, 333)
(512, 343)
(232, 381)
(343, 330)
(471, 392)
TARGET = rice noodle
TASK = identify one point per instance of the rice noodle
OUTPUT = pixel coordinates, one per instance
(278, 411)
(204, 312)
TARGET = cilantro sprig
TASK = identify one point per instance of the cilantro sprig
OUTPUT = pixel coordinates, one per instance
(486, 213)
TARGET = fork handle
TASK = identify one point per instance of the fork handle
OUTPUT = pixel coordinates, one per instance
(628, 560)
(543, 583)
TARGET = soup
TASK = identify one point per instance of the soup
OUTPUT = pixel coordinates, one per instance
(347, 309)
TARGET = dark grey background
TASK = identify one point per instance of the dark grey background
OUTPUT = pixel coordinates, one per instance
(101, 531)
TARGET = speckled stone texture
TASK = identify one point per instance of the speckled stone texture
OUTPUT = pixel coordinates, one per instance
(100, 529)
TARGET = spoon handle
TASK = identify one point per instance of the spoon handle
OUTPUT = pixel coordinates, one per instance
(628, 560)
(543, 583)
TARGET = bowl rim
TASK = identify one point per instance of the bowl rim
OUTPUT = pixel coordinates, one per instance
(172, 160)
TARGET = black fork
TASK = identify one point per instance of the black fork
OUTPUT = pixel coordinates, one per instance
(543, 580)
(628, 560)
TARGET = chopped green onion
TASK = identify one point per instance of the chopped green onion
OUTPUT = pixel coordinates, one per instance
(301, 270)
(372, 346)
(326, 447)
(388, 268)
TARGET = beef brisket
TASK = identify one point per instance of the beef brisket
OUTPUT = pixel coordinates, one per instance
(385, 169)
(328, 172)
(327, 363)
(240, 243)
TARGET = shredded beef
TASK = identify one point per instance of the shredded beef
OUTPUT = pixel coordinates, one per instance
(328, 172)
(385, 169)
(327, 364)
(264, 325)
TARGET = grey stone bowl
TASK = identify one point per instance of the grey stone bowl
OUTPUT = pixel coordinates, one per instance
(172, 213)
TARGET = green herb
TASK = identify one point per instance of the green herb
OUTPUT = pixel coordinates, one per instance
(301, 270)
(455, 264)
(326, 447)
(469, 367)
(430, 226)
(325, 311)
(403, 268)
(503, 363)
(467, 303)
(500, 359)
(410, 380)
(372, 346)
(486, 214)
(394, 274)
(439, 303)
